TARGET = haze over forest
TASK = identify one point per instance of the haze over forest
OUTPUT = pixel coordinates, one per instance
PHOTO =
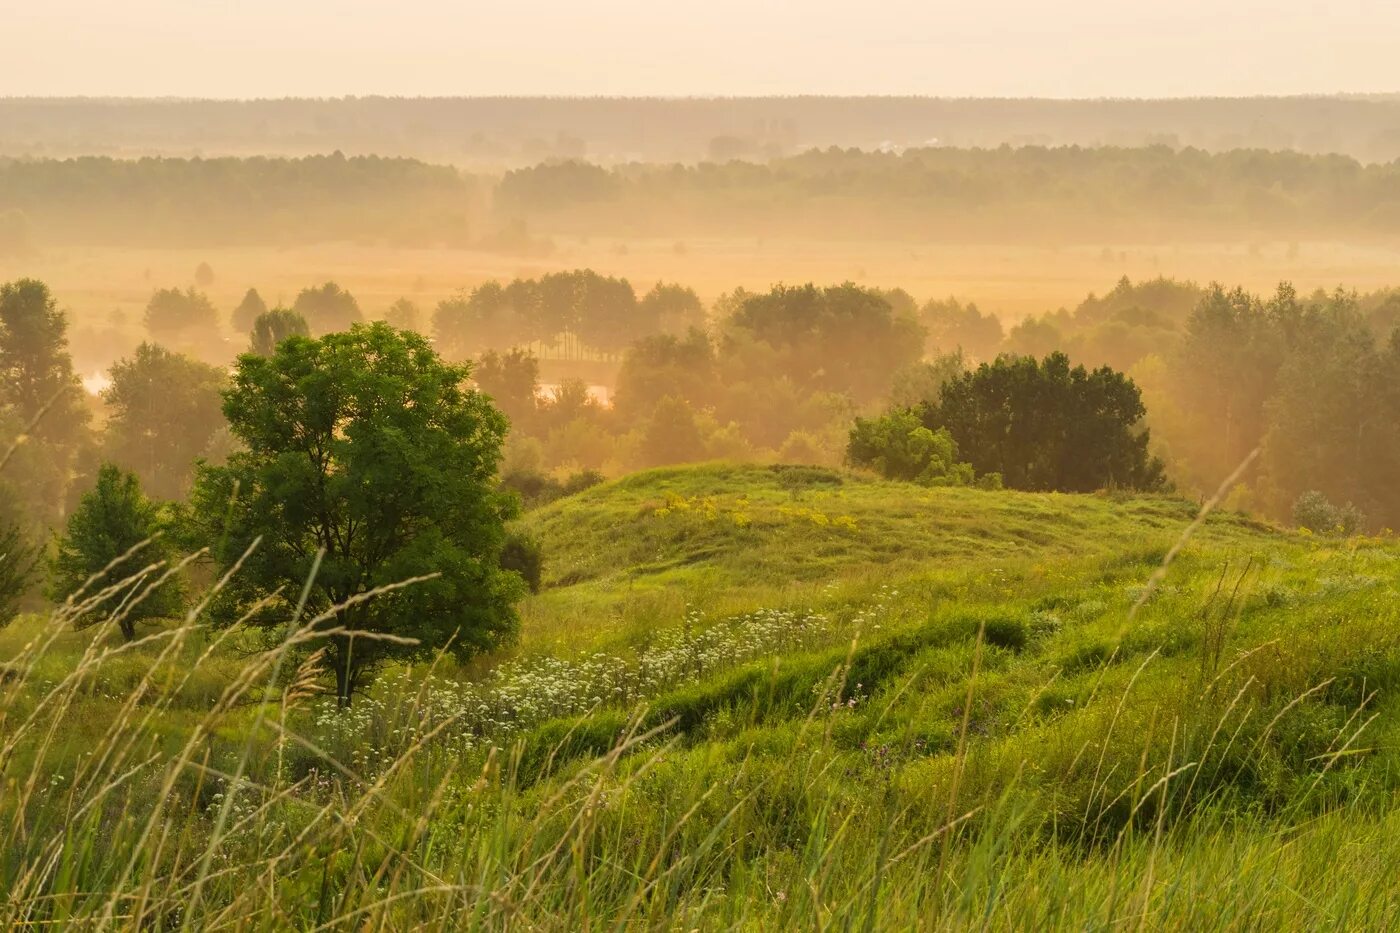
(508, 132)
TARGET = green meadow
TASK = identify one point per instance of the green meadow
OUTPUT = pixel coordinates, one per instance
(755, 698)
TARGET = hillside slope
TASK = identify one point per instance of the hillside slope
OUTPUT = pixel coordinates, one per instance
(639, 552)
(762, 699)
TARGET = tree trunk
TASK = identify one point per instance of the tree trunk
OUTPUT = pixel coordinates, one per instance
(342, 661)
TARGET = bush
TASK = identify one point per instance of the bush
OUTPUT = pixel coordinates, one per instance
(523, 555)
(898, 446)
(536, 488)
(1313, 511)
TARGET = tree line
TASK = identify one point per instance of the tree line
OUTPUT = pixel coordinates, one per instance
(360, 451)
(228, 201)
(354, 464)
(1024, 193)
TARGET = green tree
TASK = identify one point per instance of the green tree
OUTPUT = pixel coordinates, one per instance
(328, 308)
(177, 318)
(273, 327)
(113, 520)
(1048, 426)
(41, 399)
(365, 447)
(19, 557)
(249, 310)
(164, 408)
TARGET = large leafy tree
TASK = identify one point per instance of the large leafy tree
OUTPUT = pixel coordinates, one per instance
(953, 326)
(113, 521)
(366, 448)
(1048, 426)
(164, 409)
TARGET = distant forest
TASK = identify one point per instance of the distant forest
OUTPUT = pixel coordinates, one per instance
(511, 132)
(1029, 194)
(228, 201)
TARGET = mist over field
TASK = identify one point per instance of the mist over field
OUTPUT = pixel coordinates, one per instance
(699, 467)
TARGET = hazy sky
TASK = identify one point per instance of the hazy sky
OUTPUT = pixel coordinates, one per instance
(1055, 48)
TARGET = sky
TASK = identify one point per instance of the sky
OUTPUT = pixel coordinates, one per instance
(973, 48)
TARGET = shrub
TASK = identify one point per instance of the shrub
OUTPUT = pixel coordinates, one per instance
(524, 555)
(1313, 511)
(897, 446)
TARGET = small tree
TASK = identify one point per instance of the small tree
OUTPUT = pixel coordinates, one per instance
(177, 318)
(365, 448)
(204, 275)
(248, 311)
(273, 327)
(110, 521)
(328, 308)
(404, 315)
(19, 559)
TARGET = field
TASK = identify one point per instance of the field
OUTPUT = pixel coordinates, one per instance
(1011, 280)
(757, 698)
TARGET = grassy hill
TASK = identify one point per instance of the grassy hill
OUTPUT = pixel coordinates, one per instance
(761, 698)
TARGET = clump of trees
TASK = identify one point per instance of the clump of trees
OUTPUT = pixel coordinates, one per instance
(1143, 194)
(577, 312)
(1031, 424)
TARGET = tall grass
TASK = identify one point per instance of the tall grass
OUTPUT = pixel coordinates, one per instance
(1004, 757)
